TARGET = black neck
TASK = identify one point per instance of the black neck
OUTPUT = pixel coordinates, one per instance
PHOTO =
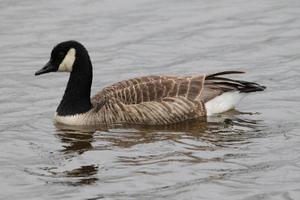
(76, 99)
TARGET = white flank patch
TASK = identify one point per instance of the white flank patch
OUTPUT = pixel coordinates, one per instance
(222, 103)
(78, 119)
(67, 64)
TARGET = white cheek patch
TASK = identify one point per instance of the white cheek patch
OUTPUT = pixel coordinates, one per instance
(67, 64)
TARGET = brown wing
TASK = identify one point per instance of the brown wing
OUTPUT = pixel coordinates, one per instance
(151, 88)
(155, 88)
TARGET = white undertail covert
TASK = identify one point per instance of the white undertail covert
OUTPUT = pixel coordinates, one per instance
(223, 103)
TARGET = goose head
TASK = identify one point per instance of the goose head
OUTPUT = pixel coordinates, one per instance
(64, 56)
(72, 57)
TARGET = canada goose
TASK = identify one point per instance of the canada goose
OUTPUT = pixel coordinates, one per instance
(151, 100)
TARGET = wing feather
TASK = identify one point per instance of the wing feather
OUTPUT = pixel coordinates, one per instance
(150, 88)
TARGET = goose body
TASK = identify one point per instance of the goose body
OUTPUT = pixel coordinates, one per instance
(149, 100)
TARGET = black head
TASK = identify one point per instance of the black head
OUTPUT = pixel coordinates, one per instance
(63, 57)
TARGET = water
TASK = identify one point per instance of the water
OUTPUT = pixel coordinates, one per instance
(250, 153)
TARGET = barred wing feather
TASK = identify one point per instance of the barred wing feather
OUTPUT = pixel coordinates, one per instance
(151, 88)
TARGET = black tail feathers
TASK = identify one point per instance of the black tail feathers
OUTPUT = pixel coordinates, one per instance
(242, 86)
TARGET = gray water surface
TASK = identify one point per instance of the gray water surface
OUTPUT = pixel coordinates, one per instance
(249, 153)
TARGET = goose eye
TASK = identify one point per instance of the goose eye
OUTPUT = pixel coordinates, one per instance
(61, 54)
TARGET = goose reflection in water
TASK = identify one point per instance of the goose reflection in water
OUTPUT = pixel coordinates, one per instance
(231, 129)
